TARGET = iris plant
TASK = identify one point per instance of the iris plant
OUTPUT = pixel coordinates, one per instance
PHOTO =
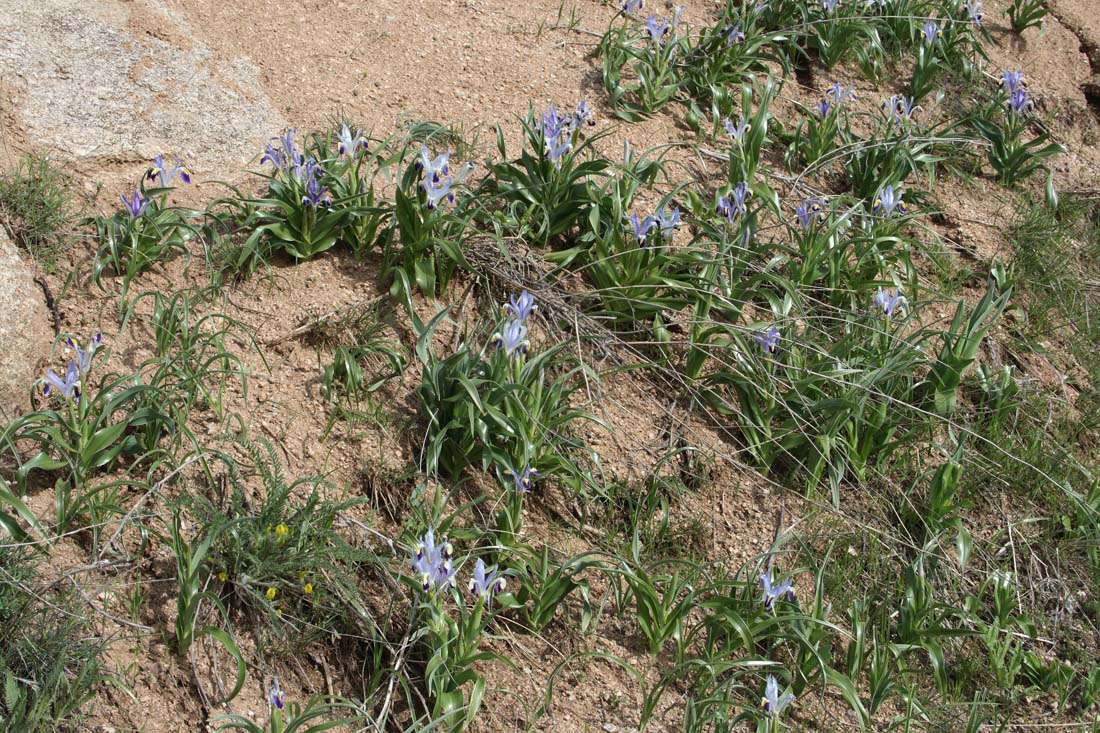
(432, 563)
(349, 144)
(523, 481)
(772, 593)
(768, 340)
(737, 132)
(512, 338)
(889, 201)
(136, 206)
(901, 109)
(163, 175)
(735, 204)
(889, 303)
(522, 308)
(773, 704)
(485, 583)
(812, 209)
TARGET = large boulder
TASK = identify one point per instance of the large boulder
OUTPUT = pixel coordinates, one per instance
(25, 333)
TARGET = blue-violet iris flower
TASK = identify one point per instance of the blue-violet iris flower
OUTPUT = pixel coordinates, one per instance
(135, 206)
(486, 583)
(521, 308)
(773, 704)
(888, 201)
(774, 593)
(512, 338)
(768, 340)
(888, 304)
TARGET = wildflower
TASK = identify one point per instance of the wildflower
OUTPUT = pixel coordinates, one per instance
(839, 93)
(275, 696)
(631, 7)
(432, 563)
(657, 28)
(737, 132)
(582, 115)
(735, 36)
(521, 308)
(768, 341)
(84, 356)
(223, 576)
(901, 108)
(811, 210)
(888, 303)
(669, 222)
(136, 207)
(433, 169)
(308, 588)
(160, 172)
(974, 10)
(824, 107)
(734, 205)
(556, 149)
(931, 33)
(282, 153)
(829, 5)
(772, 702)
(1012, 80)
(281, 530)
(485, 583)
(309, 175)
(1020, 102)
(68, 388)
(349, 144)
(888, 200)
(773, 593)
(271, 593)
(437, 190)
(641, 227)
(523, 480)
(513, 337)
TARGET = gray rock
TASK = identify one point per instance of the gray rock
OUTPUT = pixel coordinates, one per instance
(90, 88)
(25, 333)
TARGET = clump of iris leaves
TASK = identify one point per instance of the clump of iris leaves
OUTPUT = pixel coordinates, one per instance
(789, 302)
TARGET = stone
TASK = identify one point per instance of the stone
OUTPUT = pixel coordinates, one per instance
(87, 86)
(25, 332)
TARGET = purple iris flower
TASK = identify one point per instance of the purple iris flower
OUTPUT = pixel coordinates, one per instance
(556, 149)
(768, 340)
(931, 33)
(282, 153)
(1020, 102)
(275, 696)
(840, 94)
(315, 194)
(523, 480)
(437, 190)
(888, 201)
(521, 308)
(631, 7)
(829, 5)
(735, 204)
(974, 10)
(486, 583)
(68, 388)
(512, 338)
(1012, 80)
(668, 222)
(734, 35)
(135, 206)
(433, 169)
(824, 107)
(349, 144)
(811, 210)
(657, 27)
(774, 593)
(889, 303)
(901, 108)
(432, 563)
(582, 115)
(84, 356)
(737, 132)
(773, 704)
(163, 175)
(641, 227)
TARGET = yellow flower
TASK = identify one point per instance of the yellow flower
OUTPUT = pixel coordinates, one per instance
(282, 530)
(222, 576)
(271, 594)
(309, 588)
